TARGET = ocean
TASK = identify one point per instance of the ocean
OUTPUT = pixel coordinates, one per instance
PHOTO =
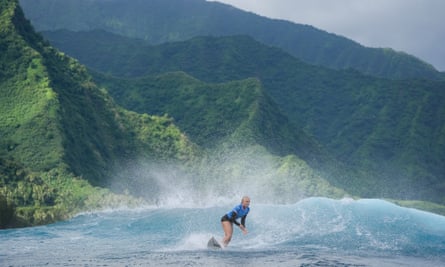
(311, 232)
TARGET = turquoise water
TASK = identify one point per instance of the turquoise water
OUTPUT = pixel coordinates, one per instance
(312, 232)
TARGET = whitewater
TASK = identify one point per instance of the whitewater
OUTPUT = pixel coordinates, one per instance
(311, 232)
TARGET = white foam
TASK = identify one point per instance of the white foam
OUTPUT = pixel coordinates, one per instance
(193, 241)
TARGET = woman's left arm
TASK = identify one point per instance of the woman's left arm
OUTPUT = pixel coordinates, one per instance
(243, 220)
(242, 225)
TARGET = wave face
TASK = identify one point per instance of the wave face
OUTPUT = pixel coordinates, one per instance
(312, 232)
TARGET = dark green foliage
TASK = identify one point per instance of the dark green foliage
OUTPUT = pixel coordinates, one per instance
(7, 212)
(211, 114)
(208, 113)
(27, 198)
(389, 130)
(229, 119)
(60, 133)
(161, 21)
(27, 104)
(71, 117)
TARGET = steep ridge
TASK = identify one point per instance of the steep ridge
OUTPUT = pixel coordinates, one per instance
(60, 132)
(246, 137)
(391, 130)
(90, 127)
(212, 114)
(160, 21)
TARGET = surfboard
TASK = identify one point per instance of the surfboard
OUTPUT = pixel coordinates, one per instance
(214, 244)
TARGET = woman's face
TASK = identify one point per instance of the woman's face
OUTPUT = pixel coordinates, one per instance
(245, 202)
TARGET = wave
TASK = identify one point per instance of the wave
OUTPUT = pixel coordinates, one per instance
(367, 226)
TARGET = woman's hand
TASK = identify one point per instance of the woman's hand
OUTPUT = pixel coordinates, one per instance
(243, 229)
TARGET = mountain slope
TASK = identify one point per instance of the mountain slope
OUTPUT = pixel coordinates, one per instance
(391, 130)
(211, 114)
(81, 120)
(247, 138)
(160, 21)
(60, 132)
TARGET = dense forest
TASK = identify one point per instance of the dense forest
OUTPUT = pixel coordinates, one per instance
(160, 21)
(60, 132)
(390, 130)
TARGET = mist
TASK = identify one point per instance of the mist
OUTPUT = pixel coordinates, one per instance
(222, 177)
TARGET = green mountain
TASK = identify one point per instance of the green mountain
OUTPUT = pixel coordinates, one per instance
(214, 114)
(161, 21)
(244, 134)
(392, 131)
(60, 133)
(226, 113)
(65, 142)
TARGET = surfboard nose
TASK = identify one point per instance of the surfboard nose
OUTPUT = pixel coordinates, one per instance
(214, 244)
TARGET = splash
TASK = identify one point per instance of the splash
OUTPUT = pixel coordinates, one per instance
(222, 178)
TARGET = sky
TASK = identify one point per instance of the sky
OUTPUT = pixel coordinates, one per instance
(416, 27)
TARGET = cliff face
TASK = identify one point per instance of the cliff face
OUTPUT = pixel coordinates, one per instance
(57, 125)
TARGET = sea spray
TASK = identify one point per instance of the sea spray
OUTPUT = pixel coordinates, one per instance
(223, 176)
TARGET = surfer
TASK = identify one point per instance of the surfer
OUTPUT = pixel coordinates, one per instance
(227, 221)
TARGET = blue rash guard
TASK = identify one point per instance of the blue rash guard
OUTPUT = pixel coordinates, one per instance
(238, 212)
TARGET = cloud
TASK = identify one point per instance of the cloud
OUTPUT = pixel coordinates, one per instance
(416, 27)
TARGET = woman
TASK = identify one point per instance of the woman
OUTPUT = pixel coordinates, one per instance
(227, 221)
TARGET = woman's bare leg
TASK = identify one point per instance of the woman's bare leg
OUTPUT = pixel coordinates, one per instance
(228, 231)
